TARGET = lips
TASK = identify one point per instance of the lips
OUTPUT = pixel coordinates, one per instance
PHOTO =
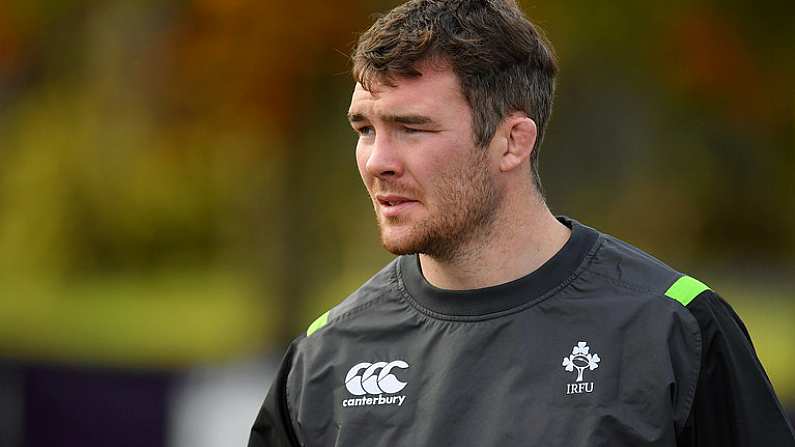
(393, 205)
(392, 199)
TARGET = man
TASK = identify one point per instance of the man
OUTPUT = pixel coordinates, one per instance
(500, 324)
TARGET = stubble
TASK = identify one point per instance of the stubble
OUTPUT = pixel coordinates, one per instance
(466, 204)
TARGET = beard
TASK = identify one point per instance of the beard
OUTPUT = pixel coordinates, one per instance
(466, 201)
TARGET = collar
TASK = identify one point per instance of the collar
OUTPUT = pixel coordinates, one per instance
(477, 302)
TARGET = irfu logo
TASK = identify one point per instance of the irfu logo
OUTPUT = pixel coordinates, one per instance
(580, 359)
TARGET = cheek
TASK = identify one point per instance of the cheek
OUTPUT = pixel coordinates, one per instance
(361, 162)
(441, 164)
(453, 175)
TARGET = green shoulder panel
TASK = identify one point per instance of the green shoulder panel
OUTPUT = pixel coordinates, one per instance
(685, 289)
(317, 324)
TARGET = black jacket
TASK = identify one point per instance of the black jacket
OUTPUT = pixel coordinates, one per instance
(602, 346)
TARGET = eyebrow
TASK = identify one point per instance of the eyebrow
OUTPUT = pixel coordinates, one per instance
(400, 119)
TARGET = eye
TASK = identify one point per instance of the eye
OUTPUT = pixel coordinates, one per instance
(365, 131)
(412, 130)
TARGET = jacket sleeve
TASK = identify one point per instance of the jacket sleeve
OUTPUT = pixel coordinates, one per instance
(734, 403)
(273, 426)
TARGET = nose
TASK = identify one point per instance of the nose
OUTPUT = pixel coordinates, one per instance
(383, 160)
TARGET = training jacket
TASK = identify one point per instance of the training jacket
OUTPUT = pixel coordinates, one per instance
(603, 345)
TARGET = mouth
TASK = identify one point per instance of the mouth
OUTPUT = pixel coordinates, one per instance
(392, 200)
(393, 205)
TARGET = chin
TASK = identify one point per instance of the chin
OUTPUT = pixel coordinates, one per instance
(397, 246)
(398, 250)
(401, 242)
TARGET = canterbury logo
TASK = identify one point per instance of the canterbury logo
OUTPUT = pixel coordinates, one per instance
(374, 378)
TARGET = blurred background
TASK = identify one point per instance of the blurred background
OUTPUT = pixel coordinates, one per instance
(178, 194)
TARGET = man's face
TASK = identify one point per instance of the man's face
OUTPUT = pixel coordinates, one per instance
(432, 188)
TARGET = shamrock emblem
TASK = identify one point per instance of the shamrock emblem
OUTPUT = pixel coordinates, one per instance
(581, 359)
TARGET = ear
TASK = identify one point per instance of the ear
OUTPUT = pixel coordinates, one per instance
(521, 133)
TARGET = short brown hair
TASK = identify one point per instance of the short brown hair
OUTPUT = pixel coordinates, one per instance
(503, 62)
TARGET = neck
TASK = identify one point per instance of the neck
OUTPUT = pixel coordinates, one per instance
(516, 245)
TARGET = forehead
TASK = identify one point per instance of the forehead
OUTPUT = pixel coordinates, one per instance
(435, 92)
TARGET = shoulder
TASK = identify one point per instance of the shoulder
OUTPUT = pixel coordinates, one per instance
(625, 267)
(381, 287)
